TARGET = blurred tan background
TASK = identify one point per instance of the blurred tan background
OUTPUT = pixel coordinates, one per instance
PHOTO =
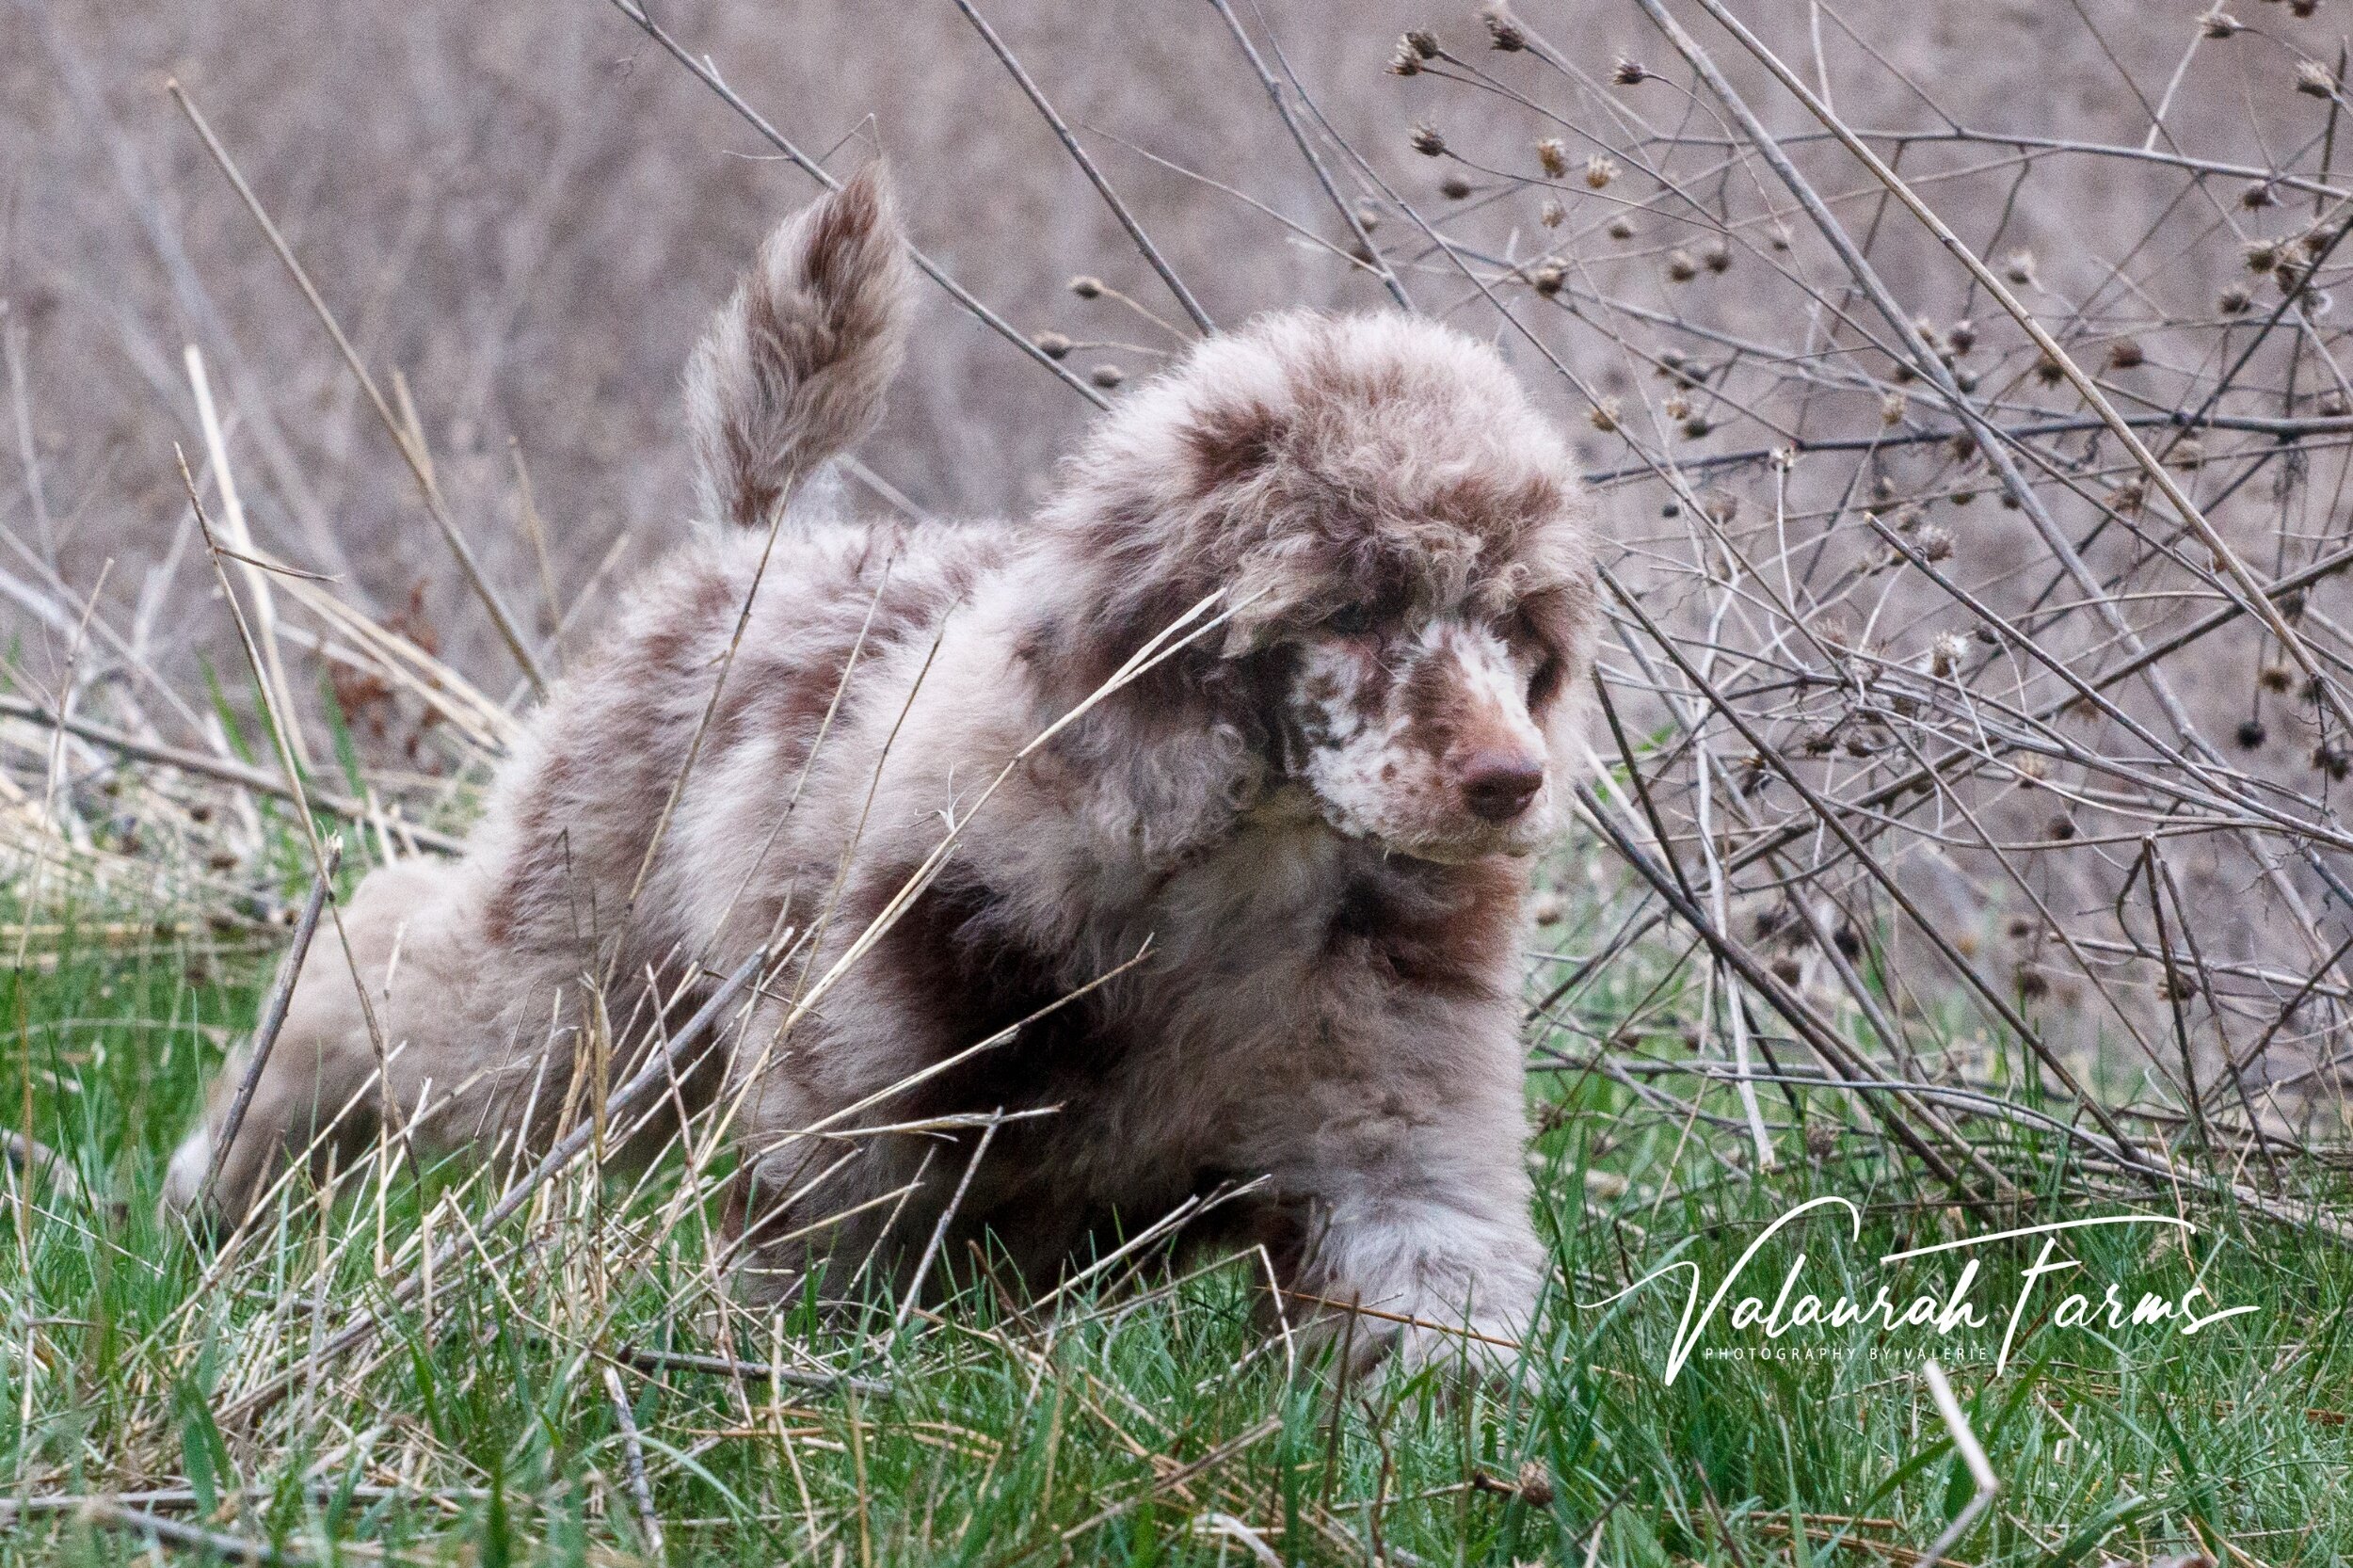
(526, 212)
(528, 209)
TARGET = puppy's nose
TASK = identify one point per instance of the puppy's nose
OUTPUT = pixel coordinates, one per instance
(1498, 785)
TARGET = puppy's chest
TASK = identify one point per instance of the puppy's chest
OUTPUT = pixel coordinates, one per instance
(1199, 988)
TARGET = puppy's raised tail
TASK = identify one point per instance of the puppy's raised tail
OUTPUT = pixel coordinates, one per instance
(794, 365)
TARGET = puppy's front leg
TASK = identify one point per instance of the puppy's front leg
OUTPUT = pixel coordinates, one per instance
(1428, 1228)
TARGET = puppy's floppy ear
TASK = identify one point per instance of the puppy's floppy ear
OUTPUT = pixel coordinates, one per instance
(1164, 764)
(793, 367)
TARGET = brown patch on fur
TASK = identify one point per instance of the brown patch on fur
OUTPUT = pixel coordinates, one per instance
(1497, 509)
(1546, 623)
(1434, 928)
(1231, 443)
(964, 980)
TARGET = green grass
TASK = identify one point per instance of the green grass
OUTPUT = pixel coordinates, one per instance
(478, 1428)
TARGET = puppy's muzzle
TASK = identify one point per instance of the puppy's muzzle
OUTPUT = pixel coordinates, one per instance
(1498, 785)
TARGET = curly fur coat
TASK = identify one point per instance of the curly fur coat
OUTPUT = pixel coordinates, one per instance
(1309, 817)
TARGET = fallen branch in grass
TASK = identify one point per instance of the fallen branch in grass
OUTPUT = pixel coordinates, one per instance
(106, 1514)
(223, 770)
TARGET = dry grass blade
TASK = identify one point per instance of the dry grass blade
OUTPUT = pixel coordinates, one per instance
(403, 435)
(273, 1018)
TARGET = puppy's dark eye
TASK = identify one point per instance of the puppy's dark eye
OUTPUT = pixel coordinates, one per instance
(1350, 620)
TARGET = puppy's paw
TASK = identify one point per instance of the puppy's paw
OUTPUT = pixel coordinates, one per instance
(184, 1179)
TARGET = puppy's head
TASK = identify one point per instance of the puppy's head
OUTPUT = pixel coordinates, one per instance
(1404, 557)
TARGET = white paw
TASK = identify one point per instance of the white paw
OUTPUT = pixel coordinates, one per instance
(184, 1178)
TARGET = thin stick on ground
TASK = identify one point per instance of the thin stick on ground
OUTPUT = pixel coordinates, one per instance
(273, 1018)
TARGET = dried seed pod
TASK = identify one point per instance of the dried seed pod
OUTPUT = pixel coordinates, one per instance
(1107, 375)
(1961, 336)
(2251, 734)
(1945, 654)
(2176, 986)
(2062, 828)
(1681, 268)
(1677, 406)
(2220, 24)
(2018, 266)
(1696, 426)
(1052, 344)
(1405, 61)
(1603, 416)
(1547, 275)
(1454, 187)
(1599, 171)
(2234, 301)
(2126, 354)
(1788, 970)
(1892, 407)
(1621, 229)
(1551, 214)
(1503, 31)
(1718, 257)
(1426, 139)
(1626, 73)
(1422, 41)
(2259, 195)
(1086, 287)
(2315, 80)
(2262, 255)
(1535, 1485)
(1934, 543)
(2049, 371)
(2333, 760)
(2276, 679)
(1552, 156)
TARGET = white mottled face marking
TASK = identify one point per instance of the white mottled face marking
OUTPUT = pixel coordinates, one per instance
(1422, 738)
